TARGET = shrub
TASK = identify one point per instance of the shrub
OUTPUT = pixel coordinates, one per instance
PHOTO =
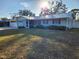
(39, 26)
(21, 27)
(57, 27)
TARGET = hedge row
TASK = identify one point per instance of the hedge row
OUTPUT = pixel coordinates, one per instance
(51, 27)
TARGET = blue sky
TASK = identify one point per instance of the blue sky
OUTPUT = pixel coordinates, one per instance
(12, 6)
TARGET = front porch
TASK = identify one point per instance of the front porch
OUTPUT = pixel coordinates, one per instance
(26, 23)
(48, 22)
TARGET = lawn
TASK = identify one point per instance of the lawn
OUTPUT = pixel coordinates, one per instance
(39, 44)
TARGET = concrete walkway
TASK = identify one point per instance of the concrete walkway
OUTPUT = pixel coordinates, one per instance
(5, 28)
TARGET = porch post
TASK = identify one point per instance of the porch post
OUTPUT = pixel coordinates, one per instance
(28, 24)
(67, 24)
(17, 24)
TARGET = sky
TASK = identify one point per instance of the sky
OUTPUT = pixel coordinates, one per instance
(9, 7)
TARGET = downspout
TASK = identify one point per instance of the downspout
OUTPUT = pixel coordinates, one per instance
(17, 23)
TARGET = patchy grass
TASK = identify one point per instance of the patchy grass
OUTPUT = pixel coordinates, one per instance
(39, 44)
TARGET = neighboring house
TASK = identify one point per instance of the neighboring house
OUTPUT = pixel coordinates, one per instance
(64, 19)
(76, 24)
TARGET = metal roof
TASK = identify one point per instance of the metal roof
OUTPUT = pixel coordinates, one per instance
(54, 16)
(66, 15)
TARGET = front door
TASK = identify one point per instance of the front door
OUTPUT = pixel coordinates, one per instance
(31, 23)
(27, 24)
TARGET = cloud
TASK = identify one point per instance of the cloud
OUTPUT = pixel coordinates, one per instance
(24, 4)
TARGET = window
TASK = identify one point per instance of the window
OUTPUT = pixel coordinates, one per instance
(39, 22)
(53, 21)
(56, 21)
(45, 21)
(59, 22)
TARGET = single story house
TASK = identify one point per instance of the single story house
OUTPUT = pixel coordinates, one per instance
(64, 19)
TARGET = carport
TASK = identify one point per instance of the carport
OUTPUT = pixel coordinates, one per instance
(4, 23)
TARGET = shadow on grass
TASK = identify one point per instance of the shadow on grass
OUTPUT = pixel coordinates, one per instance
(47, 49)
(61, 46)
(11, 32)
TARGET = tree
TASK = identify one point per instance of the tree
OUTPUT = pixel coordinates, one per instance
(4, 18)
(45, 11)
(58, 7)
(26, 13)
(74, 12)
(22, 13)
(55, 7)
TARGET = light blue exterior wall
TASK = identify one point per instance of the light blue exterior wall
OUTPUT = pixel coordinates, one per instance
(62, 23)
(76, 24)
(13, 24)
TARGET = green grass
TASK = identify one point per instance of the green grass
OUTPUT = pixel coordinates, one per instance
(39, 44)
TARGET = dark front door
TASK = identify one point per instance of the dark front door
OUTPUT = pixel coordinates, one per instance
(31, 23)
(27, 24)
